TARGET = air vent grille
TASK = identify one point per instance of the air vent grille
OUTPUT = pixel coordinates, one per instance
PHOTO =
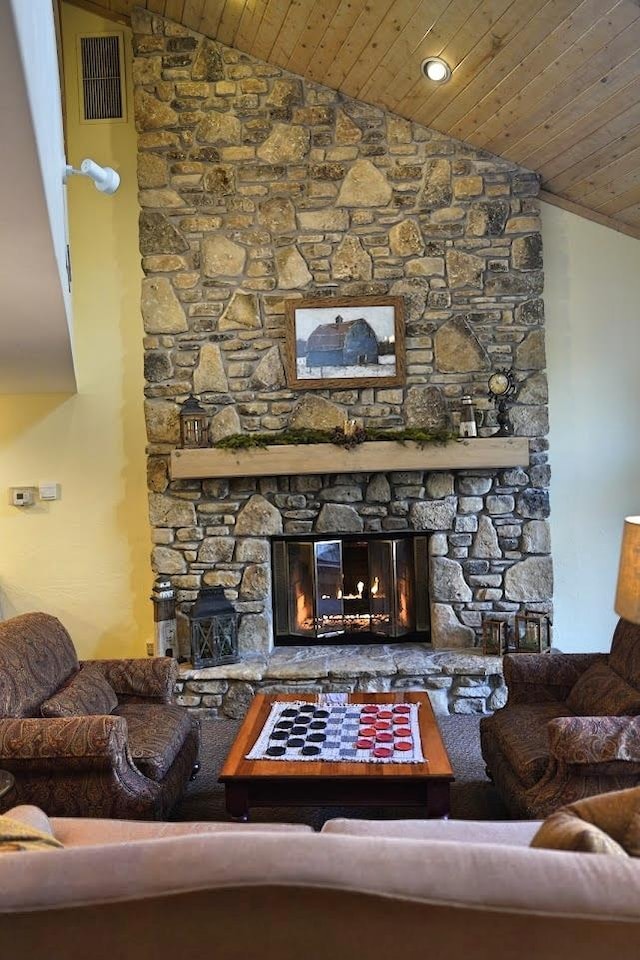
(101, 77)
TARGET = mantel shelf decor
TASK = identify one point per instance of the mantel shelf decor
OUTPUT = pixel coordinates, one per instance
(368, 457)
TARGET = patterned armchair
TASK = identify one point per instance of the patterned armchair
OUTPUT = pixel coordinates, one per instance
(94, 739)
(570, 728)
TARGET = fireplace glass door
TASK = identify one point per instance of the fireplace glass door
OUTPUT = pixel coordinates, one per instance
(316, 607)
(392, 587)
(345, 587)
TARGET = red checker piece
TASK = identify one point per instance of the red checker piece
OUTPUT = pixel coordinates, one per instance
(382, 725)
(383, 752)
(369, 708)
(364, 744)
(402, 708)
(404, 732)
(384, 714)
(403, 745)
(384, 738)
(368, 732)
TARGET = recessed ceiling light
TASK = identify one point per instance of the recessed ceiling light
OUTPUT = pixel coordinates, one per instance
(436, 69)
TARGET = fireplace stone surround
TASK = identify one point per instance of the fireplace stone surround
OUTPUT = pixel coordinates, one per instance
(257, 186)
(470, 519)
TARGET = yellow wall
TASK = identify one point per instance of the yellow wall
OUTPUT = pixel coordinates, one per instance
(85, 558)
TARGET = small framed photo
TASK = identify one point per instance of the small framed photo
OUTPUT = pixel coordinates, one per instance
(354, 342)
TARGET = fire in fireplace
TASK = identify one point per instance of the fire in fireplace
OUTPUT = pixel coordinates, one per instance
(352, 588)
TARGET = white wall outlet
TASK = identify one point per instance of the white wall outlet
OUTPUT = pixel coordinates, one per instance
(49, 490)
(22, 496)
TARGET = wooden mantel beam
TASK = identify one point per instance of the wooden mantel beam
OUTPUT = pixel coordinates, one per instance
(370, 457)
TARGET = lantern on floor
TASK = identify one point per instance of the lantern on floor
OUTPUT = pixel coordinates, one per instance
(164, 618)
(495, 637)
(193, 424)
(214, 629)
(533, 633)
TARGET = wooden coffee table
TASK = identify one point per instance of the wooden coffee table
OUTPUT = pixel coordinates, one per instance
(261, 783)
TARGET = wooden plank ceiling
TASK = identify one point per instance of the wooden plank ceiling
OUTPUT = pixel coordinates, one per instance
(551, 84)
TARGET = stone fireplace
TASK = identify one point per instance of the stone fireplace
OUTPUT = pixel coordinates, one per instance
(257, 186)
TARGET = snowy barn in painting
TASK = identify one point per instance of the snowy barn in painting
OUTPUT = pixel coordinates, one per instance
(342, 343)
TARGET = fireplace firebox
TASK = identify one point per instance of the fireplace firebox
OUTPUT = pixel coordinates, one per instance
(350, 589)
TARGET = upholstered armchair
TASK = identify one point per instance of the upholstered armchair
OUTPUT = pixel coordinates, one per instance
(570, 728)
(101, 738)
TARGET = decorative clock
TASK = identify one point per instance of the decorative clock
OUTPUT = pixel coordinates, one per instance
(502, 386)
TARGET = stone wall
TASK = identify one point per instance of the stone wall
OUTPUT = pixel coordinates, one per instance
(257, 186)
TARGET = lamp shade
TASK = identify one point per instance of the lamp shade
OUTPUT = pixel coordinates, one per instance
(627, 603)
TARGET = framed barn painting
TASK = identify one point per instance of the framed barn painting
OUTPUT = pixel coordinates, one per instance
(354, 342)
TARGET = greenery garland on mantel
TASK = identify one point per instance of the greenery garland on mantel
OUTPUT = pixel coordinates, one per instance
(248, 441)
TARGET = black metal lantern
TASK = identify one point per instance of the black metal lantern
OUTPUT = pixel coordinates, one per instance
(193, 424)
(214, 629)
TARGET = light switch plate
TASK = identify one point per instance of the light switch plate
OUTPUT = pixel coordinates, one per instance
(49, 491)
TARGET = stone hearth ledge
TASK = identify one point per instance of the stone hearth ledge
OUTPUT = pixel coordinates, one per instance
(456, 682)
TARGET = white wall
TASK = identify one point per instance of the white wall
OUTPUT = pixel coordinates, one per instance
(35, 338)
(592, 300)
(35, 27)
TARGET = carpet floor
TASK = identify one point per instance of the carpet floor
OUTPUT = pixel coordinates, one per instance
(473, 796)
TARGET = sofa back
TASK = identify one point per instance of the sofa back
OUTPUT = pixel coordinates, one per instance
(36, 657)
(317, 896)
(625, 652)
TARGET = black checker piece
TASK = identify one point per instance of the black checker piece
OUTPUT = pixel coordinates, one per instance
(308, 708)
(310, 751)
(320, 714)
(298, 731)
(318, 725)
(296, 742)
(289, 713)
(280, 735)
(276, 751)
(316, 738)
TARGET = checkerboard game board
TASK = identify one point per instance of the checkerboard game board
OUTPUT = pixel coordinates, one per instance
(366, 732)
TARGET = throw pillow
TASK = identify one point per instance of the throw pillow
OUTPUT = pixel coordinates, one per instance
(604, 823)
(567, 831)
(88, 693)
(600, 692)
(15, 836)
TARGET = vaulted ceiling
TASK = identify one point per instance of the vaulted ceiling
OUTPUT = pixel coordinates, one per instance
(551, 84)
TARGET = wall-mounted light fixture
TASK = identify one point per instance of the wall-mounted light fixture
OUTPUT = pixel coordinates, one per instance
(436, 69)
(105, 179)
